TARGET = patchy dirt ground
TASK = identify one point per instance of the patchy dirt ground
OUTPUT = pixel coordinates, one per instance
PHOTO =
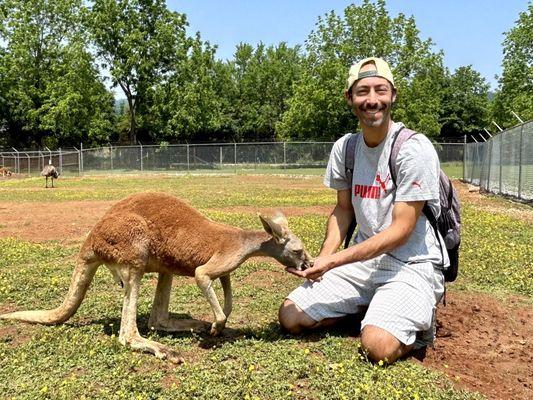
(483, 344)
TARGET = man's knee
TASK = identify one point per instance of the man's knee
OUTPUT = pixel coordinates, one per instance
(292, 318)
(382, 345)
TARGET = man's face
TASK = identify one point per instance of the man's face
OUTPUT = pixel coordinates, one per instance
(371, 99)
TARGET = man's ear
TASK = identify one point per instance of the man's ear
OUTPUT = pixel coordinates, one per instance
(393, 96)
(348, 96)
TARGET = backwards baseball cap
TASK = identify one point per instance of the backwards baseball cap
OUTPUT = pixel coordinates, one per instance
(382, 70)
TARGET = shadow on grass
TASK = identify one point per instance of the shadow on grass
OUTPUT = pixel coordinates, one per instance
(272, 332)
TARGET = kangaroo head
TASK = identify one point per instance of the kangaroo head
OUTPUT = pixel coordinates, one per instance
(289, 249)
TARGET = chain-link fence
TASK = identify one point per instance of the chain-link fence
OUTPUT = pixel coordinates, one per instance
(192, 157)
(504, 163)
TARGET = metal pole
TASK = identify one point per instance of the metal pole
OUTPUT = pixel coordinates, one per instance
(464, 159)
(490, 164)
(483, 137)
(517, 117)
(111, 155)
(60, 162)
(29, 169)
(235, 155)
(188, 157)
(284, 155)
(488, 133)
(501, 147)
(79, 163)
(474, 139)
(17, 161)
(81, 158)
(140, 144)
(220, 148)
(520, 163)
(497, 126)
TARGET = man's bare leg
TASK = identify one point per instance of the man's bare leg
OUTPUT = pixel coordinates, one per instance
(295, 321)
(382, 345)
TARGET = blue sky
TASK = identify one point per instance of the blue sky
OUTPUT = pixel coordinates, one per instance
(468, 31)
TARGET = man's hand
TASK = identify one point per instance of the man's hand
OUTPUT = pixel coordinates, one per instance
(319, 267)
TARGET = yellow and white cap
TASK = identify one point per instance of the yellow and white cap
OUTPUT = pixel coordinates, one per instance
(382, 70)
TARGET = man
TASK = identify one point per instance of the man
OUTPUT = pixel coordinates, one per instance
(395, 265)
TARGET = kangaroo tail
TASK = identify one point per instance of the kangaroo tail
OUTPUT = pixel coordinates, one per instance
(81, 279)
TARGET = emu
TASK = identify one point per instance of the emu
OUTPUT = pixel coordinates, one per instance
(50, 171)
(156, 232)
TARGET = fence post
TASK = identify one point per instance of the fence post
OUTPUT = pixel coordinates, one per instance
(111, 155)
(235, 155)
(520, 162)
(464, 159)
(78, 159)
(501, 159)
(29, 161)
(140, 144)
(81, 158)
(60, 162)
(220, 148)
(188, 157)
(284, 155)
(490, 163)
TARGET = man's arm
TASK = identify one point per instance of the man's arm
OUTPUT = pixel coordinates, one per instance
(338, 223)
(404, 217)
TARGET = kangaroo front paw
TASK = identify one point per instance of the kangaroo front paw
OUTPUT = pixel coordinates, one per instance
(216, 328)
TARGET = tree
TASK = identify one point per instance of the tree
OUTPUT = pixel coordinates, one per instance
(192, 102)
(516, 83)
(51, 91)
(264, 79)
(465, 104)
(318, 110)
(140, 42)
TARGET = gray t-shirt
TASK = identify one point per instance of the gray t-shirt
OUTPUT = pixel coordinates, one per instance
(374, 193)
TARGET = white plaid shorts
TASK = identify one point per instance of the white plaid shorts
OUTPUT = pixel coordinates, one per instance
(401, 298)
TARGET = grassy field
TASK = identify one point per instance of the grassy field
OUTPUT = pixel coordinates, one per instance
(253, 359)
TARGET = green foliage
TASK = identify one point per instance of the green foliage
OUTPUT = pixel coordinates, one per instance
(264, 78)
(516, 83)
(465, 104)
(140, 43)
(318, 109)
(51, 91)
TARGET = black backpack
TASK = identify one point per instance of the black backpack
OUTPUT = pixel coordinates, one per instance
(449, 221)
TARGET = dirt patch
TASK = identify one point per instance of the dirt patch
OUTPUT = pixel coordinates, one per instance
(485, 345)
(65, 221)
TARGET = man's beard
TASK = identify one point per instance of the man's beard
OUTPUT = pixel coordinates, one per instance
(372, 120)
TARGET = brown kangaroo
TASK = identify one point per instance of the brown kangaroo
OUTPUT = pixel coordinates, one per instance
(155, 232)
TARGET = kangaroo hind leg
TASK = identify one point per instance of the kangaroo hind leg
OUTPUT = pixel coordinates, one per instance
(129, 333)
(159, 315)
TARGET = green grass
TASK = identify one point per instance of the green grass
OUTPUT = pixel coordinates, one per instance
(253, 359)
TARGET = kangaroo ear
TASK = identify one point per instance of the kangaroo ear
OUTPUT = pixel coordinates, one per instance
(276, 226)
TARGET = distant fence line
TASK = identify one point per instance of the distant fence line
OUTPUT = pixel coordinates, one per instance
(504, 163)
(187, 157)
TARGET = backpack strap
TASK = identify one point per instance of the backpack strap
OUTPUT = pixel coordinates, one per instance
(349, 155)
(349, 159)
(400, 137)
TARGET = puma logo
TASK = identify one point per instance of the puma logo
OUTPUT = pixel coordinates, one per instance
(417, 183)
(383, 184)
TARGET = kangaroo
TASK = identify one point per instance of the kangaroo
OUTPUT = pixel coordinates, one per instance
(156, 232)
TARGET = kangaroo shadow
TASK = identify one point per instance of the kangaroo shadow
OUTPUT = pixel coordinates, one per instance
(349, 326)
